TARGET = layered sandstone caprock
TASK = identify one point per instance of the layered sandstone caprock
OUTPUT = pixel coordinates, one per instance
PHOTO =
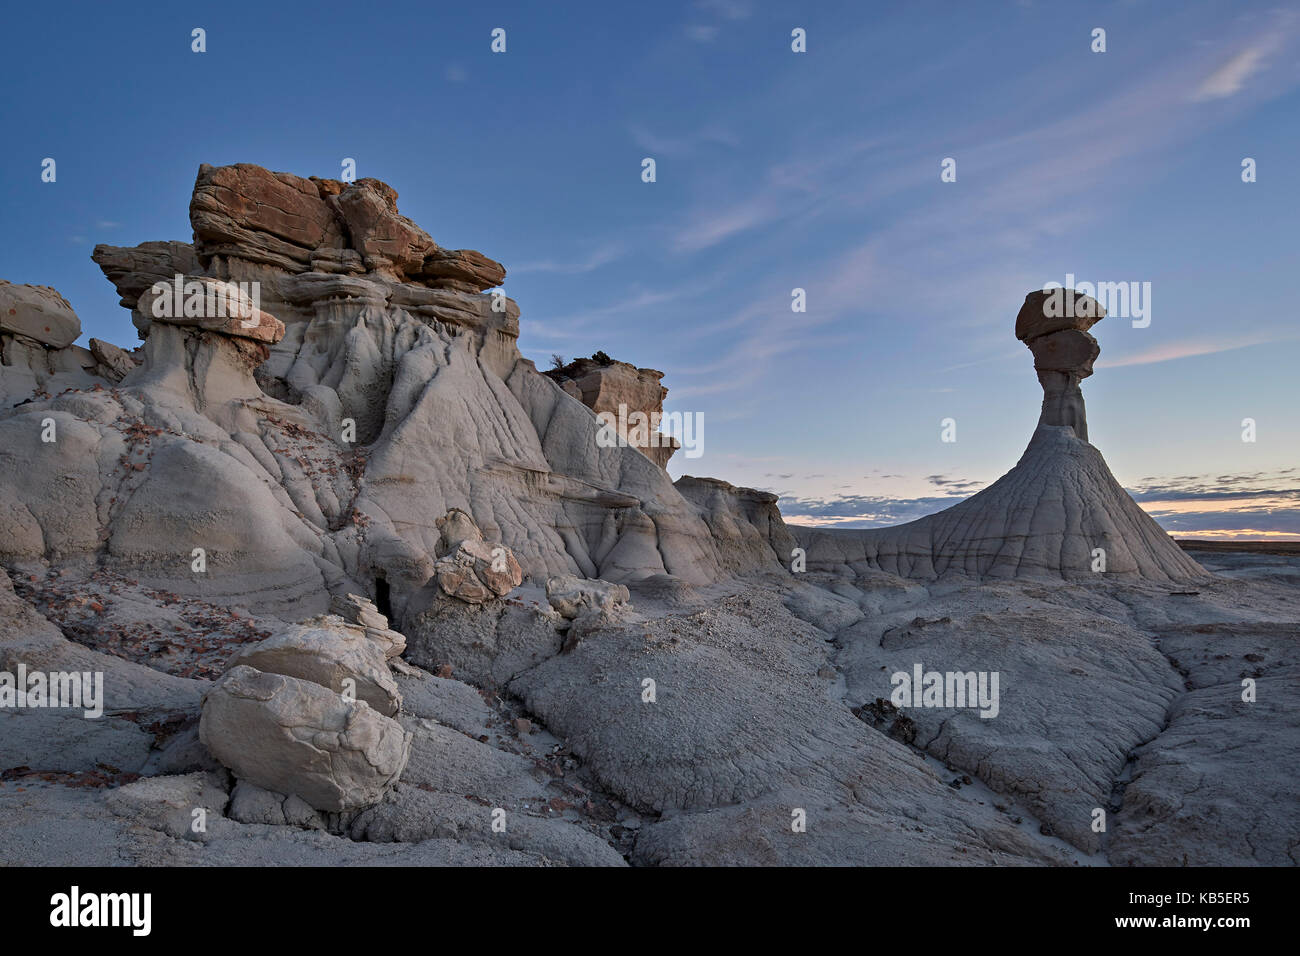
(210, 304)
(618, 391)
(132, 269)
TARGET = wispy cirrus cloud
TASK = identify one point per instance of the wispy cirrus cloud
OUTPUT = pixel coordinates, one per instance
(601, 256)
(1172, 351)
(710, 228)
(714, 13)
(966, 235)
(683, 144)
(1231, 77)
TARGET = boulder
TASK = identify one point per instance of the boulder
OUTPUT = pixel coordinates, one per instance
(293, 736)
(110, 361)
(470, 568)
(1055, 310)
(330, 657)
(572, 596)
(38, 312)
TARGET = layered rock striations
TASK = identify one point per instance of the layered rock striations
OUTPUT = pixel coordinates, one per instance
(1058, 513)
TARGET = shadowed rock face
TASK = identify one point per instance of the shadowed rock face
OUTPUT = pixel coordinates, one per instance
(1048, 516)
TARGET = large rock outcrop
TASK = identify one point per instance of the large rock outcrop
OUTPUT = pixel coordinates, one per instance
(310, 454)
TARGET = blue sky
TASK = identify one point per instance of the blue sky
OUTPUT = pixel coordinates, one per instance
(775, 170)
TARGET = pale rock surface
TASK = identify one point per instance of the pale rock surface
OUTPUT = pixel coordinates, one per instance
(1058, 754)
(448, 702)
(330, 657)
(72, 827)
(67, 742)
(251, 804)
(486, 643)
(361, 611)
(38, 313)
(28, 638)
(293, 736)
(168, 803)
(745, 520)
(181, 753)
(572, 597)
(412, 814)
(704, 744)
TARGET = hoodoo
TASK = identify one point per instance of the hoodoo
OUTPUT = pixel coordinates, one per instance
(1058, 513)
(310, 444)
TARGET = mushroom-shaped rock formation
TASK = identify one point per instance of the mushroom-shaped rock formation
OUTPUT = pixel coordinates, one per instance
(1054, 324)
(1058, 513)
(203, 338)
